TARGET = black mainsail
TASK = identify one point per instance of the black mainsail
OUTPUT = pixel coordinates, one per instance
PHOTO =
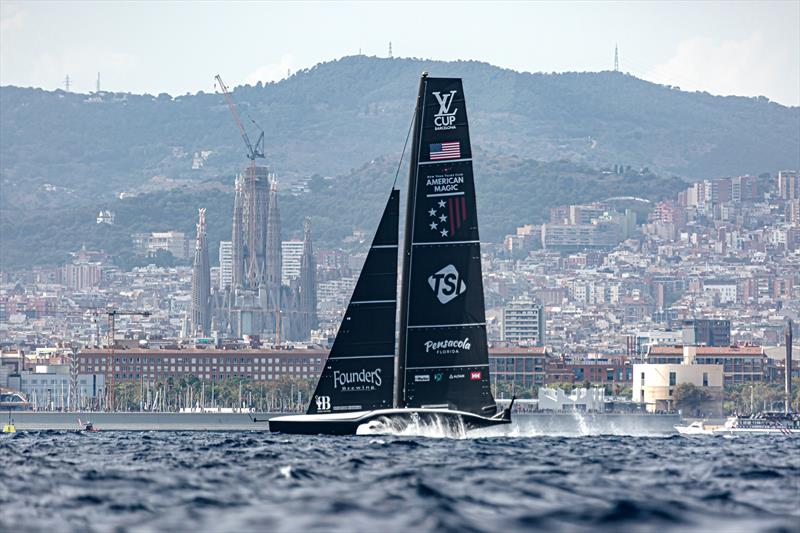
(359, 372)
(442, 374)
(443, 357)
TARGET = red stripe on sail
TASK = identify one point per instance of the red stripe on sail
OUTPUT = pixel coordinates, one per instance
(463, 209)
(458, 213)
(450, 205)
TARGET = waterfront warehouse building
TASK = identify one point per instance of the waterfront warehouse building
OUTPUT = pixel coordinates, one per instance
(521, 367)
(654, 384)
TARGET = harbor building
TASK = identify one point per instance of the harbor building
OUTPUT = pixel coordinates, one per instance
(654, 384)
(739, 364)
(56, 387)
(149, 365)
(522, 368)
(523, 322)
(579, 399)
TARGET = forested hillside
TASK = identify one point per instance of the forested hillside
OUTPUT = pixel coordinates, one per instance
(540, 140)
(511, 192)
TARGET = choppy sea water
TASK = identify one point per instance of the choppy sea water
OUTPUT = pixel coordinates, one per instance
(245, 481)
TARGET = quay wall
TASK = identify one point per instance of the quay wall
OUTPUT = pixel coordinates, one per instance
(525, 424)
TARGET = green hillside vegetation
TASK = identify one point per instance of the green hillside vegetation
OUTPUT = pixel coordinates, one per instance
(329, 118)
(511, 192)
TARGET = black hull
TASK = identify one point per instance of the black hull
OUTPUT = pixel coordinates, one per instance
(390, 420)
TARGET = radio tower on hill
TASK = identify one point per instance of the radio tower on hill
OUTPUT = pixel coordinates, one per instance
(616, 58)
(390, 49)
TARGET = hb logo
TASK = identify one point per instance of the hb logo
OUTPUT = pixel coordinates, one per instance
(447, 284)
(444, 118)
(323, 403)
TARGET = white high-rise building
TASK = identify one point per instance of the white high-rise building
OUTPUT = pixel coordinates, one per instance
(523, 322)
(225, 264)
(292, 252)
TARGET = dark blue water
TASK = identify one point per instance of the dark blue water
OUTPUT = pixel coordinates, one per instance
(180, 481)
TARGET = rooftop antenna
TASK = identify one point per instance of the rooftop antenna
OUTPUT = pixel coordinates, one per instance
(98, 82)
(616, 58)
(390, 48)
(66, 83)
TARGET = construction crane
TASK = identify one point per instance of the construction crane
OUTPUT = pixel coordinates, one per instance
(112, 323)
(253, 151)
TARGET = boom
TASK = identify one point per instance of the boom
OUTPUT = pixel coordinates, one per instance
(253, 152)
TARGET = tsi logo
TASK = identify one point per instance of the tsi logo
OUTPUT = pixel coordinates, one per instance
(323, 403)
(447, 284)
(445, 119)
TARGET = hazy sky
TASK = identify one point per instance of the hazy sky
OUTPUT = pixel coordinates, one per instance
(744, 48)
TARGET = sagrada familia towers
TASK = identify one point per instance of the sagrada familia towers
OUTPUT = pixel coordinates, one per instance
(201, 281)
(256, 303)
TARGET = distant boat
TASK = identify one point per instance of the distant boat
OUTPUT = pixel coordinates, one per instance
(697, 427)
(766, 423)
(440, 373)
(87, 427)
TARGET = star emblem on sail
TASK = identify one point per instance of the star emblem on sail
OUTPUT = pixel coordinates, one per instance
(447, 215)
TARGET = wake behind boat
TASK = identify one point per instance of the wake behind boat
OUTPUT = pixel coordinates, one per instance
(440, 373)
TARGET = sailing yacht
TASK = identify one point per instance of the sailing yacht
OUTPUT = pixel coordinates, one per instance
(440, 371)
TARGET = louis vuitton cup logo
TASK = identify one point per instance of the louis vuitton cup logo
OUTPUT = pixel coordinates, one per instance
(323, 403)
(447, 284)
(445, 119)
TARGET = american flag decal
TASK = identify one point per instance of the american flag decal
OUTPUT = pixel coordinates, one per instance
(446, 150)
(447, 215)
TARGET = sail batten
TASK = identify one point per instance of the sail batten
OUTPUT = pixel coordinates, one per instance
(359, 372)
(443, 354)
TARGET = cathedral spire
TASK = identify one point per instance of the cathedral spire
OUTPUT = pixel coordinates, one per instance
(308, 282)
(201, 281)
(274, 258)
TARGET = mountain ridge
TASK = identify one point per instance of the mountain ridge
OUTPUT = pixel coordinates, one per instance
(330, 117)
